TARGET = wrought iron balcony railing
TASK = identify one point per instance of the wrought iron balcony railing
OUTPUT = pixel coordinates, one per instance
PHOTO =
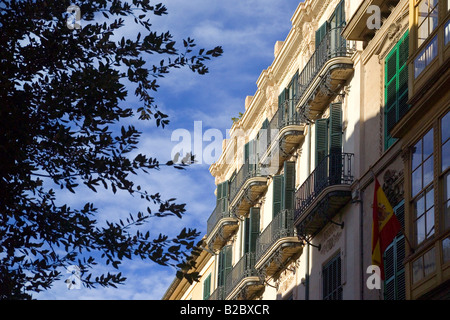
(244, 268)
(220, 212)
(333, 45)
(249, 169)
(218, 294)
(282, 226)
(334, 169)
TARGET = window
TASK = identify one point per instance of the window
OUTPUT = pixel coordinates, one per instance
(425, 57)
(394, 284)
(331, 277)
(251, 229)
(445, 167)
(396, 87)
(446, 249)
(422, 187)
(447, 32)
(224, 268)
(284, 189)
(222, 196)
(428, 19)
(207, 287)
(424, 265)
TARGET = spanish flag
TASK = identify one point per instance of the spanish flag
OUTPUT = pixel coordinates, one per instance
(385, 226)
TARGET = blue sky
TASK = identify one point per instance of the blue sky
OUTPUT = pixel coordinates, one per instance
(247, 31)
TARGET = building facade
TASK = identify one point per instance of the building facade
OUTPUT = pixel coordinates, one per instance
(357, 90)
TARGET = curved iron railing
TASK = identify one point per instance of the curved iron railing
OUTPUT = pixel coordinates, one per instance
(334, 169)
(244, 268)
(282, 226)
(247, 171)
(333, 45)
(220, 212)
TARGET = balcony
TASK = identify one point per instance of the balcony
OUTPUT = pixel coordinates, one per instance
(283, 134)
(357, 28)
(243, 283)
(218, 294)
(221, 226)
(323, 194)
(277, 245)
(249, 183)
(325, 74)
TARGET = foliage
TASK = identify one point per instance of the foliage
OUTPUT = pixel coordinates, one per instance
(64, 99)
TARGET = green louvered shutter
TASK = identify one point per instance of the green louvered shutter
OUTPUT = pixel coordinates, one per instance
(321, 140)
(247, 234)
(278, 182)
(225, 264)
(222, 195)
(207, 287)
(335, 128)
(289, 185)
(394, 283)
(396, 87)
(321, 169)
(335, 139)
(321, 33)
(253, 229)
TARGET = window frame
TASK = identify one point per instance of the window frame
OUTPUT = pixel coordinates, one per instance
(332, 291)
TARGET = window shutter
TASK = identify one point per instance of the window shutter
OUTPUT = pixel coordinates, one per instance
(222, 195)
(219, 193)
(228, 260)
(225, 191)
(396, 87)
(335, 128)
(254, 219)
(394, 284)
(321, 140)
(289, 185)
(246, 153)
(207, 287)
(247, 234)
(321, 33)
(225, 256)
(277, 194)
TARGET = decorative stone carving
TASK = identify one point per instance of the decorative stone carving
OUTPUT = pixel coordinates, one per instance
(393, 186)
(330, 237)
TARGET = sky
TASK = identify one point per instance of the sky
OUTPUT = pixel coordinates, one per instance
(247, 31)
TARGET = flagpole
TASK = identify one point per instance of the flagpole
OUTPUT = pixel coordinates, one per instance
(402, 229)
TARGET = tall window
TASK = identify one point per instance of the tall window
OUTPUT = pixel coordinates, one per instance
(394, 284)
(428, 19)
(331, 279)
(445, 167)
(396, 87)
(207, 287)
(422, 187)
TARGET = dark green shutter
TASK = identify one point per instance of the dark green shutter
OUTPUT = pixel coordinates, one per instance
(335, 128)
(225, 262)
(335, 152)
(289, 185)
(222, 195)
(277, 194)
(321, 33)
(394, 283)
(207, 287)
(253, 229)
(321, 140)
(247, 235)
(247, 152)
